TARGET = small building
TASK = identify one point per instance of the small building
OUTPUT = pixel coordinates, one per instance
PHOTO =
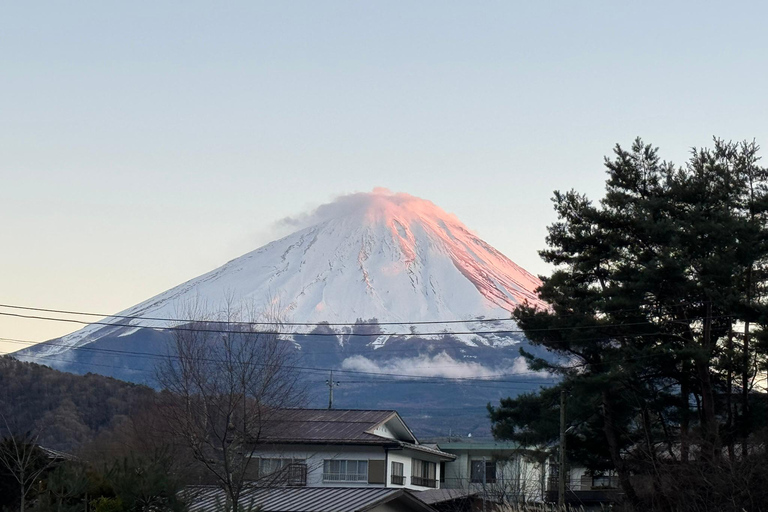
(500, 472)
(583, 487)
(309, 499)
(344, 448)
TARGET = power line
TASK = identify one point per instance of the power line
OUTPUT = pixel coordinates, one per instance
(487, 378)
(372, 381)
(434, 380)
(146, 355)
(333, 334)
(150, 355)
(309, 324)
(299, 324)
(53, 343)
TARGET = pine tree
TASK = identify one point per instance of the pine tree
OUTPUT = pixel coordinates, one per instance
(649, 288)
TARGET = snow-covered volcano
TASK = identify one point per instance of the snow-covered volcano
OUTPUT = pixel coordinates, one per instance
(389, 256)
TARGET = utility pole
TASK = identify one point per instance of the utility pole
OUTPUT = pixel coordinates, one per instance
(484, 477)
(561, 473)
(331, 384)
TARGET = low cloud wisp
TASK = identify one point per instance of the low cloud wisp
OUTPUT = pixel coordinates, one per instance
(439, 365)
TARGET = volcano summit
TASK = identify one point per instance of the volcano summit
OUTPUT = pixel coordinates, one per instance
(380, 255)
(375, 257)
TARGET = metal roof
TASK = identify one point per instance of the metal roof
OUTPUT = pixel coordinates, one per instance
(302, 499)
(57, 455)
(432, 496)
(488, 445)
(338, 426)
(323, 425)
(431, 449)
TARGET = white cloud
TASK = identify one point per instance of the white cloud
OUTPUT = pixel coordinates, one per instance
(439, 365)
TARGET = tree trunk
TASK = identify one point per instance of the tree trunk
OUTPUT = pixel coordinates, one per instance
(744, 434)
(685, 411)
(729, 397)
(708, 418)
(612, 438)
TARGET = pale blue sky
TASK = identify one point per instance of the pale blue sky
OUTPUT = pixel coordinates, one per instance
(144, 143)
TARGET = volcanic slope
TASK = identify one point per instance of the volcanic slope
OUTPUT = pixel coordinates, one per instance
(389, 256)
(379, 255)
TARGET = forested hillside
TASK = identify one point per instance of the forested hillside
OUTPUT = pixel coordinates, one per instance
(66, 410)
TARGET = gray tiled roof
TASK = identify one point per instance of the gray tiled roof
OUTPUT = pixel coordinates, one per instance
(323, 425)
(302, 499)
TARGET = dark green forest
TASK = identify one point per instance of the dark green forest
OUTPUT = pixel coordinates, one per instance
(66, 410)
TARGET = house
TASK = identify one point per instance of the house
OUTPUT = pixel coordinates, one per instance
(497, 471)
(583, 487)
(344, 448)
(504, 472)
(309, 499)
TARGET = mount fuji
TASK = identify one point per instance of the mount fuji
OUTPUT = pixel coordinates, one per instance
(382, 258)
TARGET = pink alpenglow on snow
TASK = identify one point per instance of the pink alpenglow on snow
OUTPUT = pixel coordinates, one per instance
(420, 230)
(389, 256)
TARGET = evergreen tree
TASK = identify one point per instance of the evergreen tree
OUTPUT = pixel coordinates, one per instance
(651, 289)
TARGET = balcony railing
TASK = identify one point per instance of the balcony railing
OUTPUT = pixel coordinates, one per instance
(297, 475)
(398, 479)
(291, 475)
(424, 482)
(344, 477)
(585, 483)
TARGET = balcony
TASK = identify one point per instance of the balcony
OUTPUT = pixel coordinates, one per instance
(296, 475)
(584, 491)
(344, 477)
(290, 475)
(424, 482)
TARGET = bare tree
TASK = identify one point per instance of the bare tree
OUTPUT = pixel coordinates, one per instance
(224, 379)
(23, 460)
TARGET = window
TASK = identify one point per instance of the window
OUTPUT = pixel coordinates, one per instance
(345, 470)
(270, 466)
(397, 473)
(483, 471)
(605, 481)
(283, 471)
(423, 473)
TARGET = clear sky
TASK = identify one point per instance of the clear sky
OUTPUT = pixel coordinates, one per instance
(144, 143)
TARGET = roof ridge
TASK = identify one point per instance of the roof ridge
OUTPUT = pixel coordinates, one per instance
(334, 410)
(323, 421)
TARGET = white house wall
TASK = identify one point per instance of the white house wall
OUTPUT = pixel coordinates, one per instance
(515, 475)
(392, 506)
(384, 431)
(315, 455)
(397, 456)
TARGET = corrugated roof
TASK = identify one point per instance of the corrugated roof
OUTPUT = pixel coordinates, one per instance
(323, 425)
(303, 499)
(432, 496)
